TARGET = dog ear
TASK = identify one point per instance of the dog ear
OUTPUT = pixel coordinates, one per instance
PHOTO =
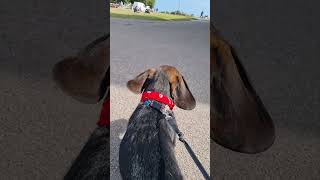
(239, 120)
(136, 85)
(85, 77)
(181, 94)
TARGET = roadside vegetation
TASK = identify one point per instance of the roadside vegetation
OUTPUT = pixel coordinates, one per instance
(129, 14)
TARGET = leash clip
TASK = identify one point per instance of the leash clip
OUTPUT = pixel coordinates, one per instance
(167, 112)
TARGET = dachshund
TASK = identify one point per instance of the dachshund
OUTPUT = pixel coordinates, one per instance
(85, 77)
(147, 148)
(238, 119)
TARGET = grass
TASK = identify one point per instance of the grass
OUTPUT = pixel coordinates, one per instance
(129, 14)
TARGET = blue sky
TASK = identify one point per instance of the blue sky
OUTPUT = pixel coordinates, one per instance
(189, 6)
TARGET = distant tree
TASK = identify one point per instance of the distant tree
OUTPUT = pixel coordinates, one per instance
(118, 1)
(151, 3)
(124, 1)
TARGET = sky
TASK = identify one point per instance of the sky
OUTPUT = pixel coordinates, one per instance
(188, 6)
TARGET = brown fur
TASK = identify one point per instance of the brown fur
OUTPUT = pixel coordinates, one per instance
(179, 88)
(136, 84)
(239, 120)
(80, 76)
(178, 85)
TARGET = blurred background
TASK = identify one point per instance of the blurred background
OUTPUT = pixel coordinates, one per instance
(42, 130)
(278, 43)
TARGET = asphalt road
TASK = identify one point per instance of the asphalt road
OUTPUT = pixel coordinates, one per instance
(278, 42)
(138, 45)
(41, 129)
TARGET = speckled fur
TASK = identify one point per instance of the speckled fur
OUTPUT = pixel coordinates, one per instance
(147, 150)
(93, 162)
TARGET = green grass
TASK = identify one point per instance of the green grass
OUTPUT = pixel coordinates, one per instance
(129, 14)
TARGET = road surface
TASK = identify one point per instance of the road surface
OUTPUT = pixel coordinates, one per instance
(138, 45)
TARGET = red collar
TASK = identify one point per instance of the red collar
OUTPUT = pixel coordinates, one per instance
(151, 95)
(105, 114)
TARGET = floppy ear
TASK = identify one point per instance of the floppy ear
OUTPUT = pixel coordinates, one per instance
(136, 85)
(181, 94)
(239, 120)
(85, 77)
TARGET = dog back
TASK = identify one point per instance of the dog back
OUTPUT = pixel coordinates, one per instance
(147, 150)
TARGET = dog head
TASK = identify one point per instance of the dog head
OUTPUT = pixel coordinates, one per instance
(85, 76)
(239, 120)
(168, 81)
